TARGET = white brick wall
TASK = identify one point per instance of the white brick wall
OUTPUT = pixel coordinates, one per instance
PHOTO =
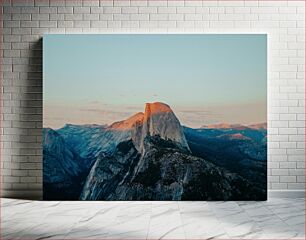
(25, 21)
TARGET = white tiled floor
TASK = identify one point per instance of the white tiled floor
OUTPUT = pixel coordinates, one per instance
(273, 219)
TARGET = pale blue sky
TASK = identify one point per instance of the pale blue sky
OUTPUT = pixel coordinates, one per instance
(116, 75)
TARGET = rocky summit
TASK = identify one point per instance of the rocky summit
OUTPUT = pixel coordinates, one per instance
(150, 156)
(159, 120)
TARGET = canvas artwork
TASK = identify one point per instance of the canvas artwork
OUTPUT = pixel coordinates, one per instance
(155, 117)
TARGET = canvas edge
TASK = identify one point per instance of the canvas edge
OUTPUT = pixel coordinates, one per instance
(37, 194)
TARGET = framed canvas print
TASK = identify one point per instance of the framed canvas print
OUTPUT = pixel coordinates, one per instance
(155, 117)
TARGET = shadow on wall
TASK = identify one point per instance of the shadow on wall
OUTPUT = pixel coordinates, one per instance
(30, 124)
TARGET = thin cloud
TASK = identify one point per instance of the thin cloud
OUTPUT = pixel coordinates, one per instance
(104, 112)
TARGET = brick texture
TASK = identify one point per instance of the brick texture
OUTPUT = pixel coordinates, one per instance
(25, 22)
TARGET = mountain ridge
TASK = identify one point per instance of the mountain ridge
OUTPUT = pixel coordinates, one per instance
(235, 126)
(128, 123)
(151, 156)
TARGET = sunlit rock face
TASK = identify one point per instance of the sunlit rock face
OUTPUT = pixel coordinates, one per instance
(159, 120)
(129, 123)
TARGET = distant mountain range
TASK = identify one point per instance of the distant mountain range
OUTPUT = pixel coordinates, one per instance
(257, 126)
(150, 156)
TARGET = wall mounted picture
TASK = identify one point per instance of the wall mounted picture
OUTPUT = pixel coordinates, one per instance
(155, 117)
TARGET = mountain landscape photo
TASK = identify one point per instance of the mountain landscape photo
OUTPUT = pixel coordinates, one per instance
(150, 156)
(155, 117)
